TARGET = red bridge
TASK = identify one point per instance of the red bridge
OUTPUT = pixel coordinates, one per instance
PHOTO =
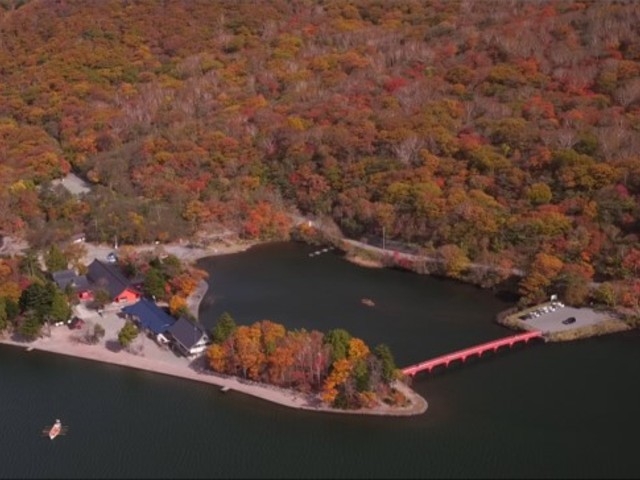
(467, 352)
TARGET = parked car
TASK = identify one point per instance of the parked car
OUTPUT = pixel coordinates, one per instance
(76, 323)
(569, 321)
(112, 258)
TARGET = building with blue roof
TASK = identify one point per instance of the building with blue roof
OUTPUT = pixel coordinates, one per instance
(150, 317)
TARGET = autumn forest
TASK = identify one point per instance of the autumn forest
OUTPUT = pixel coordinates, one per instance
(501, 133)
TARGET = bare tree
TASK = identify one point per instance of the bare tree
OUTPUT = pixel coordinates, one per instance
(407, 150)
(629, 93)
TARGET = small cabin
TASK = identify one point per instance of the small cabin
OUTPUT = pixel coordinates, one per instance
(188, 337)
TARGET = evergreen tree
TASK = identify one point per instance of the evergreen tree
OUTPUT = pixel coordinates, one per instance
(12, 308)
(339, 339)
(383, 353)
(154, 284)
(30, 326)
(101, 297)
(55, 259)
(127, 334)
(60, 311)
(224, 327)
(361, 376)
(37, 298)
(30, 266)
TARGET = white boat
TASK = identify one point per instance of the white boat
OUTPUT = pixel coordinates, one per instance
(368, 302)
(55, 430)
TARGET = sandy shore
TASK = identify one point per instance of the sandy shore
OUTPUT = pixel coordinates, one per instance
(157, 359)
(154, 358)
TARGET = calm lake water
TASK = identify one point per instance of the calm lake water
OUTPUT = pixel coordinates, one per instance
(541, 410)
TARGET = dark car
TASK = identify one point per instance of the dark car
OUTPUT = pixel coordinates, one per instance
(569, 321)
(76, 323)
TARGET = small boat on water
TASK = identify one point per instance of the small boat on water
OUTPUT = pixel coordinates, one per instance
(368, 302)
(55, 430)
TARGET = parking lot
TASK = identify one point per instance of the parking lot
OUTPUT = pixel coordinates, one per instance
(551, 320)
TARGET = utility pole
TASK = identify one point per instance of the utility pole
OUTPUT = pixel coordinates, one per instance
(383, 239)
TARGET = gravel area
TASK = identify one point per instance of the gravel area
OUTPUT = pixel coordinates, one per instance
(11, 246)
(181, 250)
(74, 184)
(551, 321)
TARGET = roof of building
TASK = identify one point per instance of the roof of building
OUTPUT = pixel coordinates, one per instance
(107, 276)
(187, 333)
(63, 278)
(150, 315)
(78, 237)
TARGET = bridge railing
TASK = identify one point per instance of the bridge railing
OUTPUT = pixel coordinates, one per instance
(464, 353)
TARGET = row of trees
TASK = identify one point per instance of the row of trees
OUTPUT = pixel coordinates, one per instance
(30, 301)
(39, 305)
(340, 368)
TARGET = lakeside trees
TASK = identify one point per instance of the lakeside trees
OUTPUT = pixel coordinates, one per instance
(41, 303)
(337, 367)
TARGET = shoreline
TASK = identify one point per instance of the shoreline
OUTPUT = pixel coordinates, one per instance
(192, 371)
(62, 341)
(184, 252)
(195, 298)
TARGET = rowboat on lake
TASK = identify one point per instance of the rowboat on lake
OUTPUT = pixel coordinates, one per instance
(55, 430)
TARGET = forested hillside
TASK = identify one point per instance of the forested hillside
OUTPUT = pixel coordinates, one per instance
(505, 133)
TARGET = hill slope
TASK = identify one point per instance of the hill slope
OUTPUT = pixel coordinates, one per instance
(502, 133)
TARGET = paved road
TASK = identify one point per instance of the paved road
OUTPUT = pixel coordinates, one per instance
(422, 258)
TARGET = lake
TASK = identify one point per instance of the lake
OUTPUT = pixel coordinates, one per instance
(541, 410)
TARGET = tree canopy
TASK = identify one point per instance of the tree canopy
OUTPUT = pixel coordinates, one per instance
(340, 369)
(459, 128)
